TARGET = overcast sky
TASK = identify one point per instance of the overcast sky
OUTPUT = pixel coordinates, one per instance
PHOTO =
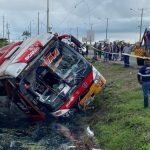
(68, 15)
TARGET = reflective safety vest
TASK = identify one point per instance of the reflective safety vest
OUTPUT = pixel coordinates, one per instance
(138, 51)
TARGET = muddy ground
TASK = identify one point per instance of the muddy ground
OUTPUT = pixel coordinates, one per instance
(19, 133)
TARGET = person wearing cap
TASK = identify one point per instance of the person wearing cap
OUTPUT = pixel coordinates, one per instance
(144, 79)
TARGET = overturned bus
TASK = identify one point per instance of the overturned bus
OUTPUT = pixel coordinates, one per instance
(45, 76)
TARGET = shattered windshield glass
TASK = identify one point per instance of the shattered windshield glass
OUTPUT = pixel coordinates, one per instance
(70, 67)
(55, 75)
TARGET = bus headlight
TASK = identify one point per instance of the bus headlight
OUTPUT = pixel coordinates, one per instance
(60, 112)
(97, 78)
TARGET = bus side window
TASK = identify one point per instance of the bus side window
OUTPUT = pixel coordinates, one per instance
(8, 88)
(2, 89)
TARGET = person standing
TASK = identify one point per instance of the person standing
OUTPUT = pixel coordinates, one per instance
(144, 79)
(87, 50)
(110, 52)
(115, 51)
(106, 52)
(100, 50)
(139, 51)
(121, 51)
(127, 50)
(95, 50)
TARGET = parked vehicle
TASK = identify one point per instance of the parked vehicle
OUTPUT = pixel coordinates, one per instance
(44, 75)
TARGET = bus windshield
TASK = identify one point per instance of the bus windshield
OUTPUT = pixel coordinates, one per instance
(56, 74)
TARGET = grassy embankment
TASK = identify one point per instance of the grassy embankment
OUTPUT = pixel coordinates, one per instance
(120, 121)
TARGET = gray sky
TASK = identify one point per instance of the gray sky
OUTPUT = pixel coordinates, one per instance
(68, 15)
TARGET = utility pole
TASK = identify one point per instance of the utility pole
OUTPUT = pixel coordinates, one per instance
(30, 29)
(38, 23)
(77, 32)
(91, 34)
(106, 28)
(3, 26)
(7, 32)
(47, 16)
(141, 22)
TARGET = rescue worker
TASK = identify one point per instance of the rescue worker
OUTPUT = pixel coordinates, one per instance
(144, 80)
(139, 52)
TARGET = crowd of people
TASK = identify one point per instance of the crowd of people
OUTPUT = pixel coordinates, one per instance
(112, 51)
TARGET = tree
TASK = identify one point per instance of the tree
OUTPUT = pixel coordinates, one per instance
(3, 42)
(26, 34)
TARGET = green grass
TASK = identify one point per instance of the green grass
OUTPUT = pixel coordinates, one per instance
(3, 42)
(121, 122)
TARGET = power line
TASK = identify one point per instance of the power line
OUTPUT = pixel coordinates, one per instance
(73, 10)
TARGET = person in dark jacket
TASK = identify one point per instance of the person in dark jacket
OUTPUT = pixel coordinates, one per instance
(106, 52)
(127, 50)
(144, 80)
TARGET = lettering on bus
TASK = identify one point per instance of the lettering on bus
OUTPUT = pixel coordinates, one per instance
(30, 52)
(70, 101)
(50, 57)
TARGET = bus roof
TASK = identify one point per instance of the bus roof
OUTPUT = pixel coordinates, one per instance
(15, 57)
